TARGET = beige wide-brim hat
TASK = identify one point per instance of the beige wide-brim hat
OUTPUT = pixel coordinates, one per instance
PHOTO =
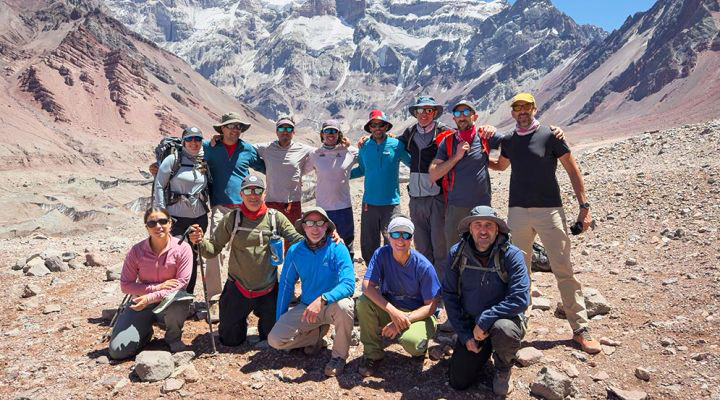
(231, 118)
(300, 227)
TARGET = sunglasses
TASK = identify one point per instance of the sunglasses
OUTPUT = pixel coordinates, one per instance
(287, 129)
(192, 139)
(235, 126)
(523, 107)
(424, 111)
(377, 124)
(314, 223)
(398, 235)
(466, 112)
(253, 190)
(154, 223)
(330, 131)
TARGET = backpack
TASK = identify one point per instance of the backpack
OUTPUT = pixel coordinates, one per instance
(540, 261)
(272, 213)
(459, 261)
(173, 146)
(448, 181)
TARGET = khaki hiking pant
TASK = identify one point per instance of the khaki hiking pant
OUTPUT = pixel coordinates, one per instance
(551, 226)
(290, 332)
(215, 269)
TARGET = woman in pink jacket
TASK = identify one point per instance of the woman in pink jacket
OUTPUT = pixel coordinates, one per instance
(154, 269)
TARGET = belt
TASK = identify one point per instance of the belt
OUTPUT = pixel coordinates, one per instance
(252, 294)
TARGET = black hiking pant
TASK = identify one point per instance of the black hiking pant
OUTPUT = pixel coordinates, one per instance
(178, 228)
(235, 308)
(504, 342)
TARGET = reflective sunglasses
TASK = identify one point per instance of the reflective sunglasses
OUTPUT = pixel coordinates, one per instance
(466, 112)
(398, 235)
(523, 107)
(235, 126)
(253, 190)
(192, 139)
(154, 223)
(314, 223)
(424, 110)
(287, 129)
(330, 131)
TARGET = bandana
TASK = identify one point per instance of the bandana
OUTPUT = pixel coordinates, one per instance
(466, 136)
(531, 129)
(253, 215)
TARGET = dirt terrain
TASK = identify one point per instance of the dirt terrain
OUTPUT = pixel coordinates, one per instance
(655, 257)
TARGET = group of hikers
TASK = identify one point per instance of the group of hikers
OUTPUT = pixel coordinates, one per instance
(465, 257)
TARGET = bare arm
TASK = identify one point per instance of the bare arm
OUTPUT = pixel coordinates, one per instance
(501, 164)
(439, 168)
(424, 311)
(573, 171)
(398, 317)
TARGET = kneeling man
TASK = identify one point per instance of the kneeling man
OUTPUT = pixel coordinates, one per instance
(486, 291)
(401, 291)
(328, 281)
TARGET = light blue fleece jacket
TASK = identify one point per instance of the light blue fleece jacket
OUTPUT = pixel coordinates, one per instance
(380, 164)
(327, 271)
(228, 172)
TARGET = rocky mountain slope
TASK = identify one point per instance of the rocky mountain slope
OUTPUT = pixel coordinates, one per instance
(653, 262)
(343, 57)
(80, 90)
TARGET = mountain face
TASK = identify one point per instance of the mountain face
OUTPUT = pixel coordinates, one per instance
(321, 58)
(79, 88)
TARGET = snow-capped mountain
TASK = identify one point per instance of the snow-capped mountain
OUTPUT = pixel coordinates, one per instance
(321, 58)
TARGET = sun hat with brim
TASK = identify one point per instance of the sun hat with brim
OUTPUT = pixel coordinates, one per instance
(401, 224)
(424, 102)
(192, 132)
(482, 213)
(526, 97)
(285, 121)
(252, 181)
(231, 118)
(332, 124)
(465, 103)
(377, 115)
(300, 227)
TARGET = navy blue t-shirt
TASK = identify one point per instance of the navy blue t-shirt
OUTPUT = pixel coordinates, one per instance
(407, 286)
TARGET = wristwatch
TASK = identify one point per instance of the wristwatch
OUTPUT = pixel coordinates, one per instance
(585, 205)
(322, 300)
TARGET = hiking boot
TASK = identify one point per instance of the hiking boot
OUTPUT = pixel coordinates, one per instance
(586, 341)
(335, 366)
(177, 346)
(502, 382)
(320, 344)
(368, 366)
(214, 311)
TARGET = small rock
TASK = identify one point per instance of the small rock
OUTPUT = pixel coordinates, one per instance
(110, 381)
(669, 351)
(436, 353)
(56, 281)
(102, 360)
(528, 356)
(355, 337)
(188, 372)
(172, 384)
(19, 264)
(570, 370)
(36, 267)
(552, 385)
(74, 264)
(595, 303)
(627, 394)
(68, 255)
(585, 252)
(51, 308)
(666, 341)
(257, 385)
(541, 303)
(92, 260)
(580, 356)
(30, 290)
(183, 357)
(536, 293)
(600, 376)
(113, 273)
(609, 342)
(642, 374)
(257, 376)
(608, 350)
(154, 365)
(56, 264)
(630, 262)
(682, 348)
(699, 356)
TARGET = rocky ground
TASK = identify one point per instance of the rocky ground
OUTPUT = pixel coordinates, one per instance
(654, 258)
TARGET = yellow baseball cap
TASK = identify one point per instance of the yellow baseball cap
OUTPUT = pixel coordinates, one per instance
(526, 97)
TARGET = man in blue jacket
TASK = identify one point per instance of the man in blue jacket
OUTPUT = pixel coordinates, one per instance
(379, 161)
(486, 290)
(328, 281)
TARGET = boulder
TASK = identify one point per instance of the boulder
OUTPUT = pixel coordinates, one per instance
(154, 365)
(552, 385)
(36, 267)
(595, 303)
(541, 303)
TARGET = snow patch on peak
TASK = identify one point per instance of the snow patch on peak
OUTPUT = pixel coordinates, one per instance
(282, 5)
(319, 32)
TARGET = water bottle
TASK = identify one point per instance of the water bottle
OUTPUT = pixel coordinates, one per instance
(277, 250)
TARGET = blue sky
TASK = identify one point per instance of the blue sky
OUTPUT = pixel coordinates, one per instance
(607, 14)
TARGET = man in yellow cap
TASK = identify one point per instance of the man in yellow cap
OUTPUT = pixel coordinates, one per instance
(535, 205)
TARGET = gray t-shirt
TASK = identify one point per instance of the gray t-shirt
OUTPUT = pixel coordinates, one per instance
(471, 185)
(284, 169)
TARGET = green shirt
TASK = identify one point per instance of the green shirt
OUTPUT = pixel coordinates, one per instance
(249, 261)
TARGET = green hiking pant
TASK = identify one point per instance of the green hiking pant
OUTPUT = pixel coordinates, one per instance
(373, 318)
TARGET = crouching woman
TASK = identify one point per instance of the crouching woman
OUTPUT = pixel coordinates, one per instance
(155, 269)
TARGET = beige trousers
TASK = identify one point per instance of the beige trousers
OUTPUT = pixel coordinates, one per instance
(215, 268)
(551, 226)
(290, 332)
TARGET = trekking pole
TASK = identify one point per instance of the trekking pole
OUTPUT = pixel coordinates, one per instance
(205, 292)
(119, 311)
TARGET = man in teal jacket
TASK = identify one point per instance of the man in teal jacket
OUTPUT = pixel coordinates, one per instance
(378, 161)
(328, 281)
